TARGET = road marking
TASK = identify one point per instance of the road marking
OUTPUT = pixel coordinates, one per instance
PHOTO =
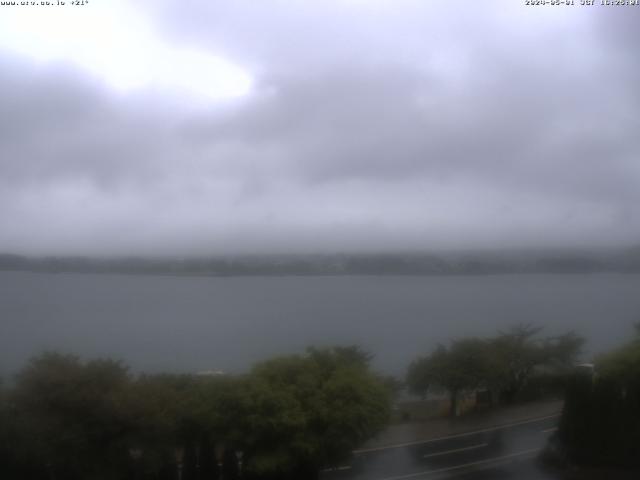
(335, 469)
(549, 430)
(455, 450)
(458, 435)
(465, 465)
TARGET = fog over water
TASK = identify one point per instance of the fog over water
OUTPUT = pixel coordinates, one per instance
(200, 129)
(190, 324)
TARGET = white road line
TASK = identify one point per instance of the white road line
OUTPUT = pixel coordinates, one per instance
(335, 469)
(456, 450)
(458, 435)
(549, 430)
(496, 460)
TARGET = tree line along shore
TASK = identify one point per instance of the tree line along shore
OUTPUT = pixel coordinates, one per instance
(292, 415)
(624, 260)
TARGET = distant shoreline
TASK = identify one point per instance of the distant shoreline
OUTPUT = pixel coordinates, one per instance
(496, 263)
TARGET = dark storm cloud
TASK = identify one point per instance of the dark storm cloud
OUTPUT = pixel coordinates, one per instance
(370, 125)
(558, 130)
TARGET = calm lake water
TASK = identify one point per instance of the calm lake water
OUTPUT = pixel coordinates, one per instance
(198, 323)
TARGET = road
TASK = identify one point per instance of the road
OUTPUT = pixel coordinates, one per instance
(505, 452)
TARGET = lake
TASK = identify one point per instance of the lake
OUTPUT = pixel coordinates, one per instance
(199, 323)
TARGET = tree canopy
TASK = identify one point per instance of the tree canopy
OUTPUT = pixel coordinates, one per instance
(457, 368)
(313, 409)
(289, 416)
(600, 423)
(503, 364)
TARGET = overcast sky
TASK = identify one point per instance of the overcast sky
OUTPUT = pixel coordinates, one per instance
(236, 126)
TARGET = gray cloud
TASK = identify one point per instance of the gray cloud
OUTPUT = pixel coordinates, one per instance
(370, 126)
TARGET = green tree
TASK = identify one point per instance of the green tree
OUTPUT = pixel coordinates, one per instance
(514, 356)
(158, 408)
(458, 368)
(622, 365)
(301, 412)
(503, 364)
(92, 420)
(600, 423)
(71, 413)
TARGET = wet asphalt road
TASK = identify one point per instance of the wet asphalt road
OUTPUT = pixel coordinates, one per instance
(506, 452)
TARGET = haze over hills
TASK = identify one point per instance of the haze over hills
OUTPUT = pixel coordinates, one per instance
(207, 130)
(623, 260)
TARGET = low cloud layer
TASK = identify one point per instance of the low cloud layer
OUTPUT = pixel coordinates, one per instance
(368, 126)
